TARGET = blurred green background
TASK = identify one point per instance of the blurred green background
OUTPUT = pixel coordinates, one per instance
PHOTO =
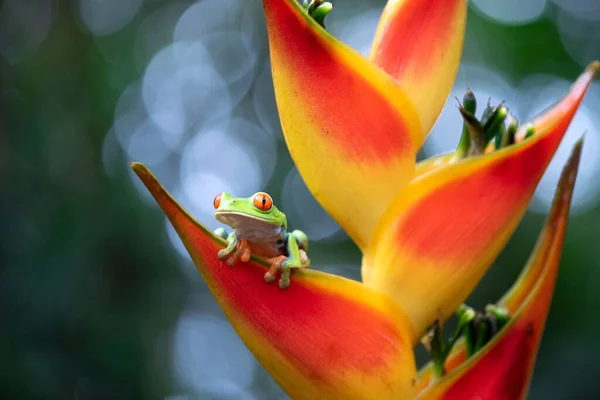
(99, 300)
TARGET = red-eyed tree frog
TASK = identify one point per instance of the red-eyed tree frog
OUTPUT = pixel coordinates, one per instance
(260, 229)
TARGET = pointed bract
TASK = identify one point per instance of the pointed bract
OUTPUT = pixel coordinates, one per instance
(323, 337)
(352, 132)
(503, 368)
(441, 234)
(529, 277)
(420, 42)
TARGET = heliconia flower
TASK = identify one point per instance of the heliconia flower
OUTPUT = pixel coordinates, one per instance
(428, 231)
(330, 337)
(353, 125)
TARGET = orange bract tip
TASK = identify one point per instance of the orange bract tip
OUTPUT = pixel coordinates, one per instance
(419, 42)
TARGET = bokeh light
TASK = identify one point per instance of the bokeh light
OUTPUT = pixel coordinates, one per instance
(303, 211)
(107, 16)
(577, 23)
(539, 93)
(511, 12)
(156, 32)
(263, 101)
(231, 368)
(24, 24)
(186, 88)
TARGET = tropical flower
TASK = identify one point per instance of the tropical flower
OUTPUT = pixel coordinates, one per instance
(428, 231)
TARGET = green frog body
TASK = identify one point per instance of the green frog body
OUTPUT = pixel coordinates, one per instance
(260, 229)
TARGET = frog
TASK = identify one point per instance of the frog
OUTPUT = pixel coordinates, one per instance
(260, 229)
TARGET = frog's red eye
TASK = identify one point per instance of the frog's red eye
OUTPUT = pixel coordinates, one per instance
(263, 201)
(217, 201)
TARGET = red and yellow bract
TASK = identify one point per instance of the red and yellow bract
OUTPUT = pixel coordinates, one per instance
(428, 231)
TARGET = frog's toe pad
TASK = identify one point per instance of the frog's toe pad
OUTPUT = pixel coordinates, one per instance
(284, 283)
(245, 256)
(269, 277)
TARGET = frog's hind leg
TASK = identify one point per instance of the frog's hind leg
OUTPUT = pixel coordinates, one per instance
(305, 261)
(296, 258)
(301, 239)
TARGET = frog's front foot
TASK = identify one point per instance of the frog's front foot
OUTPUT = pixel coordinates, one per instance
(285, 265)
(235, 251)
(276, 266)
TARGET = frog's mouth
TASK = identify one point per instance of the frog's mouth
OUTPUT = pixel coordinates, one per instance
(244, 221)
(248, 227)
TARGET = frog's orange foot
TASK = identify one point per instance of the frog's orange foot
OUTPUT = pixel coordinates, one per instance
(279, 263)
(276, 266)
(304, 259)
(242, 253)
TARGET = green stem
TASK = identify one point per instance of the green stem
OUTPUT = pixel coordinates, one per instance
(499, 315)
(509, 135)
(469, 334)
(530, 131)
(488, 113)
(482, 334)
(469, 105)
(492, 128)
(499, 136)
(438, 350)
(441, 349)
(476, 132)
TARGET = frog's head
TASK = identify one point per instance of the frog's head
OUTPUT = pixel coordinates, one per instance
(240, 212)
